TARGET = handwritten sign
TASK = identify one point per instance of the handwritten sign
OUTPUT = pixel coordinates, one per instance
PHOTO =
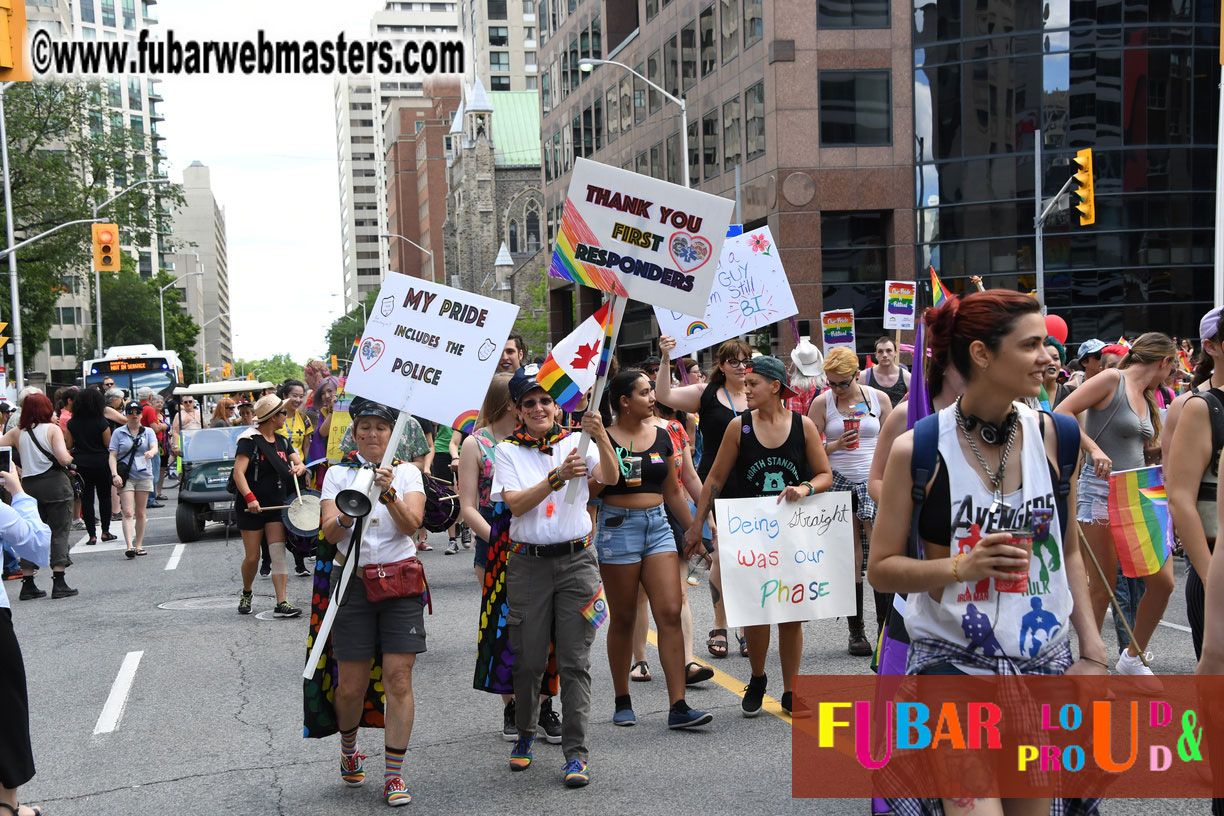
(750, 291)
(899, 299)
(638, 236)
(785, 562)
(430, 349)
(838, 328)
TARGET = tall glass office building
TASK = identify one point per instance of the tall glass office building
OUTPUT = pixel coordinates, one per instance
(1135, 81)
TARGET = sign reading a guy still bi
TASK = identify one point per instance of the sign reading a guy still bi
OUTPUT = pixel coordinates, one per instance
(430, 350)
(640, 237)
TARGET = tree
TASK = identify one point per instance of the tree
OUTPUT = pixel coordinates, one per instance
(532, 321)
(275, 369)
(131, 314)
(64, 158)
(344, 329)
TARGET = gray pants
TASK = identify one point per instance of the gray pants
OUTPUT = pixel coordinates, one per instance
(546, 596)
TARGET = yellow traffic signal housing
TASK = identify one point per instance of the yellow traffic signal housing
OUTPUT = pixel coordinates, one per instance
(106, 247)
(14, 64)
(225, 370)
(1084, 187)
(334, 366)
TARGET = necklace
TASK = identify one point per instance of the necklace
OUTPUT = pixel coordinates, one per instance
(996, 477)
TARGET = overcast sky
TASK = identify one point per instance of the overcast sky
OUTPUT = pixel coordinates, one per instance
(270, 143)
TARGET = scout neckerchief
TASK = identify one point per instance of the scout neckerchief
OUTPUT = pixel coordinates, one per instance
(544, 444)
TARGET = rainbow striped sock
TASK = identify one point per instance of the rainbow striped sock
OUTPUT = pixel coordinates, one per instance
(394, 763)
(348, 742)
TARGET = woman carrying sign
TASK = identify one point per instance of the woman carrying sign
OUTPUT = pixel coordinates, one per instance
(719, 401)
(798, 468)
(263, 467)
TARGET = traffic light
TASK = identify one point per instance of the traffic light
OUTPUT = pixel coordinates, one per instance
(226, 369)
(334, 366)
(14, 65)
(1084, 188)
(105, 246)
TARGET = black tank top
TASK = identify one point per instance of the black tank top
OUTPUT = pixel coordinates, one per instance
(715, 417)
(762, 471)
(896, 392)
(656, 462)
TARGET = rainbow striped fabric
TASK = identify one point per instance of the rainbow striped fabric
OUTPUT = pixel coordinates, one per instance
(570, 368)
(596, 609)
(939, 292)
(1139, 520)
(574, 231)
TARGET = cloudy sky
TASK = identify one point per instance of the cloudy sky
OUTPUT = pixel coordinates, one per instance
(270, 143)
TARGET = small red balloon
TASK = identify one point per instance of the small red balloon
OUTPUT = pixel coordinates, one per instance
(1056, 327)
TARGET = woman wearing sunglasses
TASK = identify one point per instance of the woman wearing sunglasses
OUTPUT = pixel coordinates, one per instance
(718, 401)
(849, 415)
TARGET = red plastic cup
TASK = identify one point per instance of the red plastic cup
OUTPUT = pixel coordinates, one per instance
(1019, 538)
(851, 425)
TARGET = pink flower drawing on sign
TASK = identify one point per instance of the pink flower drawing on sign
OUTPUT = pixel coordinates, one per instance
(759, 243)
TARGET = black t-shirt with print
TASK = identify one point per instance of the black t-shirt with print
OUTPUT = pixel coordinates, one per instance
(262, 476)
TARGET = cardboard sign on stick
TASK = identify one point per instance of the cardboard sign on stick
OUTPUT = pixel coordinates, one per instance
(838, 328)
(750, 292)
(430, 350)
(785, 562)
(640, 237)
(899, 299)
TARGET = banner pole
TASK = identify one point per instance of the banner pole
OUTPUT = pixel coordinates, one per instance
(1083, 542)
(350, 564)
(584, 441)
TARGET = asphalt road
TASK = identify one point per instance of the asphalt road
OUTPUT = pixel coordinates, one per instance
(212, 722)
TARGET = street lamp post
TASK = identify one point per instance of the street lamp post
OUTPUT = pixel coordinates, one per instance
(15, 321)
(204, 340)
(97, 275)
(161, 302)
(433, 272)
(587, 64)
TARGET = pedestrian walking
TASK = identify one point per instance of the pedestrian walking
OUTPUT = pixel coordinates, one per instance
(133, 448)
(88, 438)
(887, 375)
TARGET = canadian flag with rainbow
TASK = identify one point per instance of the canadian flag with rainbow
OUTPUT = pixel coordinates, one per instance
(572, 366)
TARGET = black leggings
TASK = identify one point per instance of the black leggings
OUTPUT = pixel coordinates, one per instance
(96, 480)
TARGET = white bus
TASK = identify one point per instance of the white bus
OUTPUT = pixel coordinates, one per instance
(135, 367)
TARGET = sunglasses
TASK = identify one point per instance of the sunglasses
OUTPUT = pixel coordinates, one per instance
(734, 363)
(532, 403)
(841, 383)
(652, 369)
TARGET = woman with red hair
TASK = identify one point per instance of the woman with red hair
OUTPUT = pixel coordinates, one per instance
(44, 460)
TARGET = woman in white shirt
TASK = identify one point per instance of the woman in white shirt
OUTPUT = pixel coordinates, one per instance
(396, 625)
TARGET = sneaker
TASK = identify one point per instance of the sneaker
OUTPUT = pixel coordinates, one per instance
(520, 754)
(466, 538)
(688, 718)
(577, 774)
(264, 572)
(153, 505)
(754, 696)
(352, 771)
(396, 792)
(284, 609)
(452, 547)
(795, 706)
(423, 547)
(1134, 667)
(509, 729)
(79, 524)
(550, 723)
(302, 572)
(244, 604)
(624, 717)
(116, 517)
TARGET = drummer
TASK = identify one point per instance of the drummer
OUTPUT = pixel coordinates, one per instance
(395, 625)
(263, 467)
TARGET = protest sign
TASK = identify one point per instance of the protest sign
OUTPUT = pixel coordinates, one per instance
(899, 302)
(792, 561)
(838, 328)
(340, 420)
(430, 350)
(750, 291)
(640, 237)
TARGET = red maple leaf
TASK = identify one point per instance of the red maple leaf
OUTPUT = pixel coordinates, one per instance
(585, 355)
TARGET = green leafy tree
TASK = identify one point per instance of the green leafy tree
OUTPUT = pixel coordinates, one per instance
(275, 369)
(64, 157)
(131, 314)
(532, 321)
(343, 329)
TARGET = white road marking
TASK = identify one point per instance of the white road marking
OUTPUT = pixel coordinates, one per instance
(175, 556)
(112, 712)
(1176, 626)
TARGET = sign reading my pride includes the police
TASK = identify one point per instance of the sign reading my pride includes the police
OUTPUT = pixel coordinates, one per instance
(430, 350)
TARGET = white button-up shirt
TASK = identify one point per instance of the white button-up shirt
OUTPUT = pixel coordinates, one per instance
(382, 542)
(25, 533)
(552, 521)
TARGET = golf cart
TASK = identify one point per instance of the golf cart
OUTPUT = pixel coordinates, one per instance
(207, 459)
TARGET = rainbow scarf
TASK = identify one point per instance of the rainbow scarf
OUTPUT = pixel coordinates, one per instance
(1139, 520)
(939, 292)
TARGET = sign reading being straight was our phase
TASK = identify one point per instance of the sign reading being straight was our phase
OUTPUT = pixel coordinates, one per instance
(430, 350)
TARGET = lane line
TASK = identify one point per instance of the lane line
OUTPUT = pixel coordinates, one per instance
(112, 712)
(175, 556)
(1176, 626)
(732, 684)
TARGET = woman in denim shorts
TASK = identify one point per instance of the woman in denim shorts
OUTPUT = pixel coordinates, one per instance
(636, 545)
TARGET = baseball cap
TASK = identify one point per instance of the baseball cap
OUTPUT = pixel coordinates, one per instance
(772, 368)
(132, 406)
(5, 408)
(1087, 347)
(1209, 326)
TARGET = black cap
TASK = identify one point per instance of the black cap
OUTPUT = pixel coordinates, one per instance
(132, 405)
(5, 408)
(651, 362)
(524, 382)
(362, 407)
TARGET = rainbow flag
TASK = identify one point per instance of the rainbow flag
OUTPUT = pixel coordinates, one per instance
(574, 231)
(939, 292)
(596, 609)
(1123, 342)
(573, 365)
(1139, 520)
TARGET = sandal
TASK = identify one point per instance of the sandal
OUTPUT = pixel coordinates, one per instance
(129, 553)
(109, 537)
(743, 642)
(142, 552)
(695, 673)
(717, 644)
(92, 541)
(644, 677)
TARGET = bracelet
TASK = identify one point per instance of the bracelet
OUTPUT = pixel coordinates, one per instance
(808, 485)
(554, 480)
(388, 496)
(342, 525)
(955, 563)
(249, 498)
(1092, 660)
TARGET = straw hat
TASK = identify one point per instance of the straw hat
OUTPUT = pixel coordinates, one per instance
(807, 358)
(267, 407)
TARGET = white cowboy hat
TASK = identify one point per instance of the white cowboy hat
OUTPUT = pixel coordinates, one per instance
(807, 359)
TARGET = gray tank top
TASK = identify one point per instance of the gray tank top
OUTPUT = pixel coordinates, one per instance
(1119, 430)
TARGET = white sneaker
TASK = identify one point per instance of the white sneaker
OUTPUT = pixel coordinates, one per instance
(1134, 667)
(452, 547)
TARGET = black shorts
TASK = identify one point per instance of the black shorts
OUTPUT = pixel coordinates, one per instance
(252, 521)
(396, 625)
(16, 756)
(440, 469)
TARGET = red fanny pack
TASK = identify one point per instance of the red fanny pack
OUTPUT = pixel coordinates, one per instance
(399, 579)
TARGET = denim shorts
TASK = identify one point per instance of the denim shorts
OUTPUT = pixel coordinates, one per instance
(628, 536)
(1091, 497)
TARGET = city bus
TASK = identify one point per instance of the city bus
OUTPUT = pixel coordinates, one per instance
(135, 367)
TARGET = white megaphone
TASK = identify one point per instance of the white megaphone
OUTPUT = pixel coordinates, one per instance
(354, 500)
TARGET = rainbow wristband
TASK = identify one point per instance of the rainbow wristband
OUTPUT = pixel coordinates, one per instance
(388, 496)
(554, 480)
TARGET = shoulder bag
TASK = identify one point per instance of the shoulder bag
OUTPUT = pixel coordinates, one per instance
(124, 468)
